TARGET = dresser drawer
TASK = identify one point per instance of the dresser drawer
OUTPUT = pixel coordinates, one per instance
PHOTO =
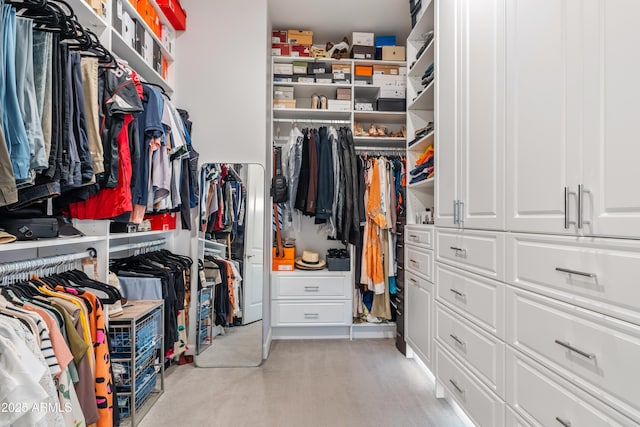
(543, 398)
(303, 286)
(481, 405)
(300, 313)
(598, 353)
(419, 321)
(479, 299)
(599, 274)
(515, 420)
(479, 252)
(420, 261)
(419, 236)
(482, 353)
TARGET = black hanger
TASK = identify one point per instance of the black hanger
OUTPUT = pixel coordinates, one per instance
(162, 89)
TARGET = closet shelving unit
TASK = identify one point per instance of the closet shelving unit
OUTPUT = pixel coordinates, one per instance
(307, 312)
(419, 237)
(103, 26)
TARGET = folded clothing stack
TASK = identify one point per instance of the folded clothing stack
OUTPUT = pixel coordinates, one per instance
(428, 37)
(424, 168)
(420, 133)
(427, 77)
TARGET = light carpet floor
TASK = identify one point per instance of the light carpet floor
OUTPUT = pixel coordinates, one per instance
(239, 346)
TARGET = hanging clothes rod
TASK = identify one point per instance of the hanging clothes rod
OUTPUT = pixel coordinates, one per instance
(38, 264)
(381, 150)
(143, 246)
(312, 121)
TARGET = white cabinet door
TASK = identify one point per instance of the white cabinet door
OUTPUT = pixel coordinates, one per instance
(419, 303)
(447, 101)
(542, 106)
(482, 136)
(612, 91)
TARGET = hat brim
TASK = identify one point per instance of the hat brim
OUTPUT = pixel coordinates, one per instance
(304, 266)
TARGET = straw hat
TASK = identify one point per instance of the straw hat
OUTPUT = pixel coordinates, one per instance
(310, 261)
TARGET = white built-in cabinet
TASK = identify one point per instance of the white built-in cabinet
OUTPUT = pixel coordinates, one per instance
(471, 139)
(571, 117)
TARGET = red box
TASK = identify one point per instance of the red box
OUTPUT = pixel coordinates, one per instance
(300, 50)
(162, 222)
(165, 68)
(279, 37)
(174, 13)
(280, 49)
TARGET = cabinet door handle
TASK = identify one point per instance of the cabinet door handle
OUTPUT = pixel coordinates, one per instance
(312, 288)
(456, 339)
(569, 347)
(311, 315)
(460, 212)
(455, 211)
(566, 207)
(459, 251)
(455, 384)
(580, 206)
(565, 423)
(414, 262)
(415, 238)
(458, 293)
(412, 280)
(578, 273)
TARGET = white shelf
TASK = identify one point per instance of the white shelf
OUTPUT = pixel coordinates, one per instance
(287, 59)
(308, 113)
(425, 22)
(424, 61)
(315, 85)
(425, 100)
(426, 184)
(128, 7)
(399, 117)
(382, 140)
(127, 53)
(122, 236)
(47, 243)
(423, 143)
(87, 16)
(379, 62)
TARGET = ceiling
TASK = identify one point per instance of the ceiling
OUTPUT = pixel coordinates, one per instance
(331, 20)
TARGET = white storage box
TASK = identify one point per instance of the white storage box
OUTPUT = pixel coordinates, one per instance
(339, 105)
(363, 39)
(393, 92)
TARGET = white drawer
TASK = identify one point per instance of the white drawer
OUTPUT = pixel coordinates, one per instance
(480, 252)
(419, 236)
(605, 278)
(303, 286)
(301, 313)
(542, 398)
(515, 420)
(419, 320)
(596, 352)
(420, 261)
(480, 299)
(481, 405)
(482, 353)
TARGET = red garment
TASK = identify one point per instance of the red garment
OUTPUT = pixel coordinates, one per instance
(111, 202)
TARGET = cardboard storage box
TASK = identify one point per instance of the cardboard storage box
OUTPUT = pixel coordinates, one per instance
(280, 49)
(300, 37)
(393, 53)
(300, 67)
(363, 52)
(300, 50)
(157, 58)
(395, 92)
(324, 78)
(364, 104)
(284, 69)
(342, 78)
(385, 41)
(162, 222)
(364, 70)
(343, 93)
(304, 79)
(174, 13)
(390, 70)
(284, 262)
(362, 39)
(284, 103)
(402, 71)
(282, 92)
(319, 68)
(387, 80)
(363, 80)
(168, 37)
(117, 15)
(283, 79)
(279, 37)
(391, 104)
(340, 71)
(339, 105)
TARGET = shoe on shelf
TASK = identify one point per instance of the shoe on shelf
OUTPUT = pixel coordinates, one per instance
(382, 131)
(373, 131)
(323, 102)
(315, 102)
(358, 130)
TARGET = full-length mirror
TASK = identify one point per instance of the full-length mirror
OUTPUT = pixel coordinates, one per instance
(231, 279)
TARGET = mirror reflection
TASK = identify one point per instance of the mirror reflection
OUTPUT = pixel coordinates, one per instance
(230, 286)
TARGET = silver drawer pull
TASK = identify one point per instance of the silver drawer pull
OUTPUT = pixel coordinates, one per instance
(578, 273)
(413, 261)
(400, 267)
(398, 301)
(458, 293)
(455, 384)
(456, 339)
(413, 280)
(459, 251)
(311, 315)
(415, 238)
(563, 422)
(312, 288)
(569, 347)
(398, 312)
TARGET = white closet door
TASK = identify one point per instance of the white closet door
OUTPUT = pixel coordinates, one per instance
(419, 320)
(543, 95)
(483, 120)
(612, 111)
(253, 283)
(447, 112)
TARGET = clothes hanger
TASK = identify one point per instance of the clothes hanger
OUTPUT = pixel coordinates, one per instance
(162, 89)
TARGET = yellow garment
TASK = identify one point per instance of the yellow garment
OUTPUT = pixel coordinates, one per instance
(374, 202)
(428, 153)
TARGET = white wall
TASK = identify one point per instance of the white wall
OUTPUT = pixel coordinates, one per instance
(221, 78)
